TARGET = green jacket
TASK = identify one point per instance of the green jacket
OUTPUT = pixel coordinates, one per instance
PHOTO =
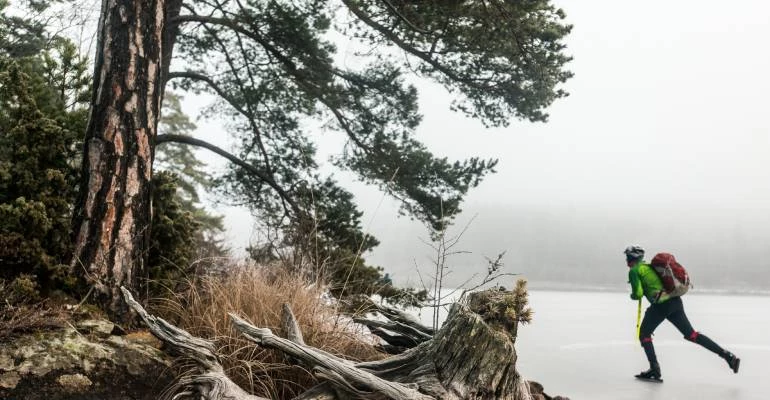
(645, 281)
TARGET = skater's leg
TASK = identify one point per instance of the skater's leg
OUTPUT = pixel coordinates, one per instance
(679, 319)
(652, 318)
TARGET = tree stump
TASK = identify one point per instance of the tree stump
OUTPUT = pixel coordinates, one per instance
(471, 357)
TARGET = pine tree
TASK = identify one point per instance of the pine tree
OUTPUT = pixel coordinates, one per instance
(273, 67)
(36, 185)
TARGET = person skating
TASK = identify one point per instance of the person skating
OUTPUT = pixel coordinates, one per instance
(646, 282)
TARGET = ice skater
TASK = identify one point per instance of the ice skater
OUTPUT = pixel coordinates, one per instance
(646, 282)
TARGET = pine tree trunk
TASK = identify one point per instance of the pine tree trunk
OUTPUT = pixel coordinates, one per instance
(112, 216)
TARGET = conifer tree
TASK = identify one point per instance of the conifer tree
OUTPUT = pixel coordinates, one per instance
(273, 67)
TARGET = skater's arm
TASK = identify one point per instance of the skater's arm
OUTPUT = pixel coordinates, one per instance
(636, 284)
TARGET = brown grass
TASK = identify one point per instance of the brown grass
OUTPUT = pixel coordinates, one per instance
(25, 318)
(256, 294)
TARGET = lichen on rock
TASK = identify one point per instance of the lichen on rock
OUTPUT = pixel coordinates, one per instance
(82, 362)
(74, 383)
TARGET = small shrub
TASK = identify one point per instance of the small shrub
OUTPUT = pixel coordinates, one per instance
(23, 289)
(37, 181)
(173, 234)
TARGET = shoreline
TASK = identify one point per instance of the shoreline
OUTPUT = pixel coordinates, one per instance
(564, 287)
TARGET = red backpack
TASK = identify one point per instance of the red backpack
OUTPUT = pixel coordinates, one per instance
(676, 281)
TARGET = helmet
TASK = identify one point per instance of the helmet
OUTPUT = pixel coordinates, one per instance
(634, 253)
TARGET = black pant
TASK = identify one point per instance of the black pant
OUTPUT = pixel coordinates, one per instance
(672, 310)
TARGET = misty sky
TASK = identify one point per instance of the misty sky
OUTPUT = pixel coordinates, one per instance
(663, 142)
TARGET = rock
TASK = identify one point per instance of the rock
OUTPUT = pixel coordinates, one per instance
(83, 362)
(537, 391)
(9, 380)
(74, 383)
(99, 327)
(535, 387)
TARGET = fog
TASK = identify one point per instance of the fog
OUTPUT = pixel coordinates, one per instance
(723, 249)
(664, 142)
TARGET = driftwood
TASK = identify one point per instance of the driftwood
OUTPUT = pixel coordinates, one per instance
(403, 318)
(401, 332)
(210, 382)
(471, 357)
(400, 338)
(290, 326)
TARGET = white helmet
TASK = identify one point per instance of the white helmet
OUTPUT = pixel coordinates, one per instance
(634, 253)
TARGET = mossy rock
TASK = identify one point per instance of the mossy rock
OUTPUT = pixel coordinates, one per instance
(83, 363)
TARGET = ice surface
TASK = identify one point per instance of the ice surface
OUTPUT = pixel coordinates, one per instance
(581, 345)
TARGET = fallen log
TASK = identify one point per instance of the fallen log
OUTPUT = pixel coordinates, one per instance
(471, 357)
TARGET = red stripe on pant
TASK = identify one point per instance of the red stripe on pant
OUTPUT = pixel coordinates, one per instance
(646, 340)
(693, 336)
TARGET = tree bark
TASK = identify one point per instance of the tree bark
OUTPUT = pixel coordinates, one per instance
(112, 216)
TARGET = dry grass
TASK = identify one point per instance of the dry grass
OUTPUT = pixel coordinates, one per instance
(256, 294)
(25, 318)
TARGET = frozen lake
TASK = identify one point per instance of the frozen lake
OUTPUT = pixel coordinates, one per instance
(581, 345)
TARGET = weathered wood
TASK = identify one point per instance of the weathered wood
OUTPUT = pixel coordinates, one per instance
(322, 391)
(401, 332)
(406, 331)
(180, 342)
(211, 386)
(471, 357)
(398, 337)
(394, 344)
(210, 383)
(290, 325)
(488, 367)
(394, 362)
(403, 318)
(331, 367)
